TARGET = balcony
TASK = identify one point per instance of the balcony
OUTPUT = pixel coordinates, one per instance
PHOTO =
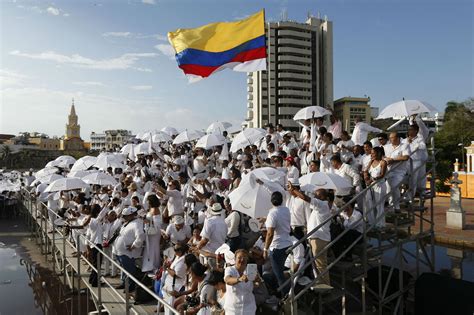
(249, 80)
(294, 59)
(293, 33)
(249, 89)
(295, 93)
(292, 67)
(249, 97)
(295, 51)
(294, 101)
(293, 84)
(288, 110)
(294, 42)
(295, 76)
(249, 115)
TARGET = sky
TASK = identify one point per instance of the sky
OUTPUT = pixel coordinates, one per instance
(114, 59)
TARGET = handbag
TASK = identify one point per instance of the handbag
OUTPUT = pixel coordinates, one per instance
(151, 230)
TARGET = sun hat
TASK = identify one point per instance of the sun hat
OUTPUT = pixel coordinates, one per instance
(215, 209)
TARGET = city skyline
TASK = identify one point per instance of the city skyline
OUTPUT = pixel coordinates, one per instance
(114, 59)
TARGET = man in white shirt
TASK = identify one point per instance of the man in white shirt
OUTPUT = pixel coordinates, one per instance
(319, 239)
(361, 131)
(277, 241)
(366, 158)
(396, 155)
(129, 243)
(352, 222)
(234, 239)
(346, 171)
(419, 156)
(299, 210)
(214, 231)
(335, 128)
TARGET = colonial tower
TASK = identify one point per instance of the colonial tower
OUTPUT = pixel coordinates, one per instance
(73, 129)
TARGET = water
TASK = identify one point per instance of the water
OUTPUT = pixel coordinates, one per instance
(16, 293)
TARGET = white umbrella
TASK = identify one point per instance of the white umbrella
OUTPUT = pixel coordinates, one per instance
(266, 173)
(64, 161)
(187, 136)
(209, 141)
(310, 112)
(66, 184)
(247, 137)
(110, 160)
(218, 127)
(47, 179)
(320, 180)
(81, 174)
(406, 108)
(84, 163)
(126, 149)
(170, 130)
(99, 178)
(142, 148)
(46, 171)
(253, 198)
(161, 136)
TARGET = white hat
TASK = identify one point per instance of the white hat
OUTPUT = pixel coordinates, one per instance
(178, 219)
(129, 211)
(215, 209)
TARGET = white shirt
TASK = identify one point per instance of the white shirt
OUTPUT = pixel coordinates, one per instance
(351, 175)
(239, 298)
(366, 161)
(178, 236)
(418, 150)
(215, 231)
(296, 256)
(233, 222)
(299, 211)
(95, 231)
(335, 129)
(351, 222)
(320, 212)
(175, 202)
(361, 131)
(179, 268)
(288, 147)
(393, 152)
(130, 234)
(279, 218)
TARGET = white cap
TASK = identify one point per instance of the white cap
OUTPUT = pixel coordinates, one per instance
(129, 211)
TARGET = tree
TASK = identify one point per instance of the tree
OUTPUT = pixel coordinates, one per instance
(5, 154)
(458, 129)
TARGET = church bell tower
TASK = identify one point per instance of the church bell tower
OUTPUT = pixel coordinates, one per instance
(73, 129)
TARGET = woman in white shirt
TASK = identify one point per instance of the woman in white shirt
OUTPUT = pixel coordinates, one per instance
(175, 198)
(151, 255)
(175, 278)
(177, 232)
(326, 151)
(239, 298)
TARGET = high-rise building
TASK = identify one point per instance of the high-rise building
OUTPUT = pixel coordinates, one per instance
(299, 73)
(348, 108)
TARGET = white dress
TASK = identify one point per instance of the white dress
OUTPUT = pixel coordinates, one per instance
(376, 197)
(151, 254)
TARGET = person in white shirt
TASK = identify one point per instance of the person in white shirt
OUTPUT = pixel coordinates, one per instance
(299, 210)
(321, 237)
(396, 156)
(277, 241)
(346, 171)
(361, 131)
(292, 171)
(175, 203)
(94, 235)
(129, 243)
(234, 239)
(111, 227)
(344, 147)
(288, 144)
(177, 232)
(175, 275)
(353, 228)
(335, 128)
(366, 157)
(326, 151)
(214, 231)
(419, 156)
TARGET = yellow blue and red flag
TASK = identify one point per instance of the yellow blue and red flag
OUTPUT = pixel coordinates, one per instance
(238, 45)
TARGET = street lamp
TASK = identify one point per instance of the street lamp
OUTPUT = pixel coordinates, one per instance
(461, 145)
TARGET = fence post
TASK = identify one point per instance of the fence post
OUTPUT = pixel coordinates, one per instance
(99, 274)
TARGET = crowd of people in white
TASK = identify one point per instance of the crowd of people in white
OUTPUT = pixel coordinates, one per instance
(169, 216)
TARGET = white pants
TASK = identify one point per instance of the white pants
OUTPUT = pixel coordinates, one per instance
(374, 204)
(108, 266)
(393, 189)
(418, 177)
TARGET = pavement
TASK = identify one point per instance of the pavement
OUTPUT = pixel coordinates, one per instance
(459, 238)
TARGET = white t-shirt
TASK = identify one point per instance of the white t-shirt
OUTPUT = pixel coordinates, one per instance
(299, 210)
(175, 202)
(215, 230)
(320, 212)
(351, 222)
(239, 298)
(178, 236)
(233, 222)
(279, 218)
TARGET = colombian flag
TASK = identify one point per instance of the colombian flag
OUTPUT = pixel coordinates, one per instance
(239, 46)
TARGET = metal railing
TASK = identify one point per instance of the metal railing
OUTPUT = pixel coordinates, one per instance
(51, 246)
(366, 228)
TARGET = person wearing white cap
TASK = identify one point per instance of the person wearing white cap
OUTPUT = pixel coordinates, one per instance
(129, 243)
(178, 232)
(214, 231)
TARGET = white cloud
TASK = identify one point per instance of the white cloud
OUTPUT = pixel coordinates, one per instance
(88, 83)
(125, 61)
(167, 50)
(53, 11)
(136, 114)
(148, 1)
(11, 78)
(117, 34)
(141, 87)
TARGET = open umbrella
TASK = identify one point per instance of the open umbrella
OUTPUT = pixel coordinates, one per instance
(46, 171)
(84, 163)
(406, 108)
(99, 178)
(64, 161)
(143, 148)
(187, 136)
(110, 160)
(161, 136)
(81, 174)
(320, 180)
(253, 198)
(266, 173)
(47, 179)
(66, 184)
(170, 130)
(310, 112)
(209, 141)
(218, 127)
(247, 137)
